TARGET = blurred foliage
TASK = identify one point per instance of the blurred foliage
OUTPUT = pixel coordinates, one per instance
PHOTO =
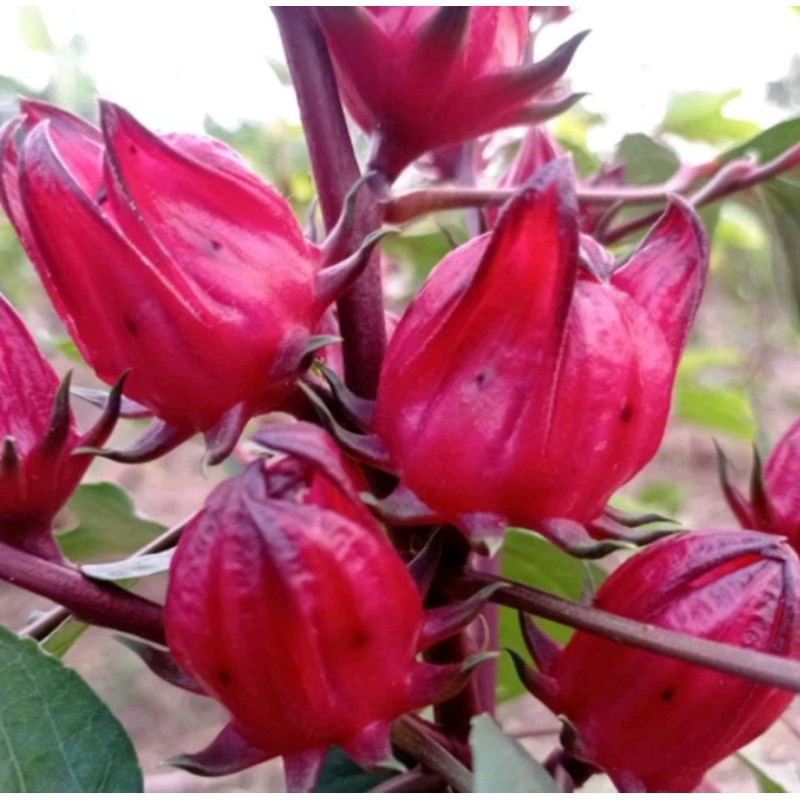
(571, 131)
(528, 558)
(277, 151)
(785, 92)
(100, 523)
(646, 160)
(699, 117)
(707, 395)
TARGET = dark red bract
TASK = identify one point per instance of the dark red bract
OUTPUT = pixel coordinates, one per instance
(656, 724)
(531, 378)
(422, 78)
(164, 256)
(289, 606)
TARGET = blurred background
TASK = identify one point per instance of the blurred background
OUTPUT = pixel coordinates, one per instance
(663, 87)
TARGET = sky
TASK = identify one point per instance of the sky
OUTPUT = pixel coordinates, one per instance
(174, 63)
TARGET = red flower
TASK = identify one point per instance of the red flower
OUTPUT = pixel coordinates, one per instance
(288, 605)
(531, 377)
(656, 724)
(38, 472)
(167, 257)
(419, 78)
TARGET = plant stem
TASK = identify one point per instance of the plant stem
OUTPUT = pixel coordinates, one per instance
(333, 162)
(409, 205)
(759, 667)
(412, 737)
(455, 715)
(42, 627)
(725, 179)
(92, 602)
(734, 176)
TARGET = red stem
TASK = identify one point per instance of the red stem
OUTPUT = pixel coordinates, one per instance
(90, 601)
(730, 178)
(756, 666)
(333, 162)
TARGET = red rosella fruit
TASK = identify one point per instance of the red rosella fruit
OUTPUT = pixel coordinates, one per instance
(774, 503)
(38, 472)
(531, 377)
(287, 604)
(165, 257)
(421, 78)
(657, 724)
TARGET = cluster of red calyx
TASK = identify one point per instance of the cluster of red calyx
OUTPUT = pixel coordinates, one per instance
(527, 381)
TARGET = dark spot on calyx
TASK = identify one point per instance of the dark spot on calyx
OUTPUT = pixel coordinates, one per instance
(627, 412)
(215, 245)
(131, 325)
(667, 694)
(359, 638)
(224, 677)
(133, 149)
(480, 379)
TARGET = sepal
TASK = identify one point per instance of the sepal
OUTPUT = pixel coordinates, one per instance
(222, 438)
(333, 281)
(543, 650)
(227, 754)
(735, 499)
(160, 663)
(424, 565)
(157, 439)
(522, 83)
(445, 621)
(366, 448)
(541, 686)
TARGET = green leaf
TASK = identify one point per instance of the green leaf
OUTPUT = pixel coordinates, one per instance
(698, 116)
(768, 144)
(341, 774)
(56, 735)
(137, 567)
(571, 131)
(717, 404)
(720, 409)
(532, 560)
(66, 347)
(501, 764)
(646, 160)
(781, 204)
(665, 497)
(102, 524)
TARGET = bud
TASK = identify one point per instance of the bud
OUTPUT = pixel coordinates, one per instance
(38, 472)
(539, 148)
(288, 605)
(166, 257)
(651, 722)
(422, 78)
(565, 364)
(774, 503)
